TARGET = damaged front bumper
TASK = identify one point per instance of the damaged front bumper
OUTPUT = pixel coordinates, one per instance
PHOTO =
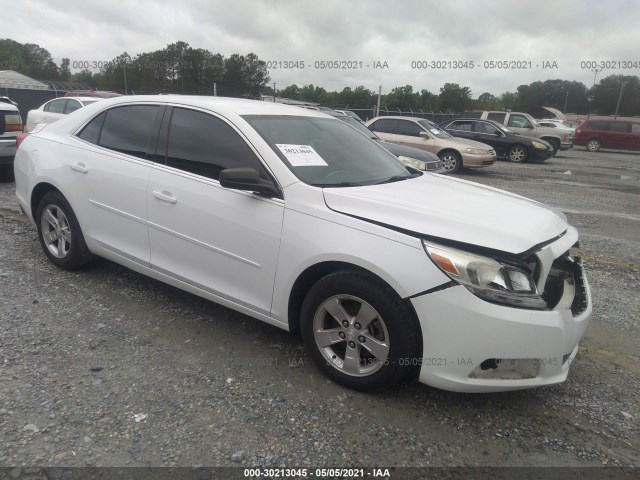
(471, 345)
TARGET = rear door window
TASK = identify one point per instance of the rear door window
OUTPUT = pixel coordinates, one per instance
(131, 129)
(385, 125)
(497, 117)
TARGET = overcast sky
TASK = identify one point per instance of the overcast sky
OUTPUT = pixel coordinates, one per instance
(396, 32)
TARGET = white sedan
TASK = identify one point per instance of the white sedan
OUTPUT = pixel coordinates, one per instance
(55, 109)
(295, 218)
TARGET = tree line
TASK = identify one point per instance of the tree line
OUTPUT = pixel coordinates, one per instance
(566, 96)
(180, 68)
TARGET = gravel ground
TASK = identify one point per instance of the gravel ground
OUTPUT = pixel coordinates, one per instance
(105, 367)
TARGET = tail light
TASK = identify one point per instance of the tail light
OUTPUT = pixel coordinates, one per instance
(13, 123)
(20, 138)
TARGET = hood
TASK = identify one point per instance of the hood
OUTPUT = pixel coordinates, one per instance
(403, 150)
(453, 209)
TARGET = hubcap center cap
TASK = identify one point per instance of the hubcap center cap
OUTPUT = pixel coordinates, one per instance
(352, 334)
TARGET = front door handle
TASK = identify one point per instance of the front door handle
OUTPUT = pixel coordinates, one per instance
(165, 196)
(79, 167)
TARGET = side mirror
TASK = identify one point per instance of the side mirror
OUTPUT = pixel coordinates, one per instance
(425, 134)
(247, 179)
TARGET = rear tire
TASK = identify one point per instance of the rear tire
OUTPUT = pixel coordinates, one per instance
(60, 234)
(359, 332)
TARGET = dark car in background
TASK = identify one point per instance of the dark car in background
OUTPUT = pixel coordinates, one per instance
(603, 133)
(507, 144)
(410, 156)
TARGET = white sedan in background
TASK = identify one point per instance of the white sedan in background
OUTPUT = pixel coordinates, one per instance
(56, 109)
(295, 218)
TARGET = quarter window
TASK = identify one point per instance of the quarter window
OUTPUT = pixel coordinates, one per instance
(622, 127)
(205, 145)
(385, 125)
(635, 128)
(91, 132)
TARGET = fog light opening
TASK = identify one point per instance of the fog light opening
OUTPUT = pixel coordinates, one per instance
(507, 369)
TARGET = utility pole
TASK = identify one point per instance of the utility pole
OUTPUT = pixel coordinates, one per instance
(274, 92)
(566, 99)
(619, 98)
(378, 105)
(215, 89)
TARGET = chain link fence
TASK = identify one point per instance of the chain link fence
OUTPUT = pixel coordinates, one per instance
(368, 113)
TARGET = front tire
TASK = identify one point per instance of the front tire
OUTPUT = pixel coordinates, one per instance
(518, 154)
(359, 331)
(451, 161)
(60, 234)
(593, 145)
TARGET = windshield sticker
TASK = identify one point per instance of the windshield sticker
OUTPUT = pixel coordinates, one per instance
(435, 131)
(301, 155)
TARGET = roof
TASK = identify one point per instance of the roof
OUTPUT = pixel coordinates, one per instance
(239, 106)
(11, 79)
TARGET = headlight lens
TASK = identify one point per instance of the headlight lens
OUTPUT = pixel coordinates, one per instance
(490, 279)
(478, 151)
(413, 162)
(539, 145)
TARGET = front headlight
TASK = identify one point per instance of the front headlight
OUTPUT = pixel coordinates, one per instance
(539, 145)
(413, 162)
(478, 151)
(493, 280)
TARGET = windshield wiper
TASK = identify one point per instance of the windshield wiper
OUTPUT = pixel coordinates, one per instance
(339, 184)
(398, 178)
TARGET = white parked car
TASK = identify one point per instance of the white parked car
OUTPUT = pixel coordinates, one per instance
(55, 109)
(295, 218)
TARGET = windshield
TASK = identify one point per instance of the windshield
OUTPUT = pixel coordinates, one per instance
(434, 130)
(325, 152)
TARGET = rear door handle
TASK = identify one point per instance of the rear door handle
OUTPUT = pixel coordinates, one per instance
(79, 167)
(165, 197)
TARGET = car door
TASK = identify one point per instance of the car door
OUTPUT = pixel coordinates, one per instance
(414, 135)
(108, 174)
(223, 241)
(487, 133)
(385, 128)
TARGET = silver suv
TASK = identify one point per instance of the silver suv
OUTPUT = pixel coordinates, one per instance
(10, 127)
(524, 124)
